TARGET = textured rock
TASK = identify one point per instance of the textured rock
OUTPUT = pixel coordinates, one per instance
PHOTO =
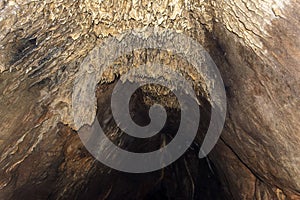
(255, 44)
(263, 83)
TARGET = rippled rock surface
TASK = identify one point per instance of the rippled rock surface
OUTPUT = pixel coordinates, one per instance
(254, 43)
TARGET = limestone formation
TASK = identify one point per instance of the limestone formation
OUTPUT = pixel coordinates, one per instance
(256, 46)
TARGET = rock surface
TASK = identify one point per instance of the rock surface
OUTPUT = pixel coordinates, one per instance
(255, 44)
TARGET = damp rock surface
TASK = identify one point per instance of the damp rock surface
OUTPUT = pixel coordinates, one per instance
(255, 44)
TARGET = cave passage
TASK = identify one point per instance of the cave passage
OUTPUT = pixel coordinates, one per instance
(255, 45)
(187, 178)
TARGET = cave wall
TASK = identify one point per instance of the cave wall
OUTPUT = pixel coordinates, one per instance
(261, 44)
(254, 43)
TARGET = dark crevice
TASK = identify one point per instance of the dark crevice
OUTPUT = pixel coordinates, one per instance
(21, 48)
(187, 178)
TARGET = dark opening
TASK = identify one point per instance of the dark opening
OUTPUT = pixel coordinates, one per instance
(187, 178)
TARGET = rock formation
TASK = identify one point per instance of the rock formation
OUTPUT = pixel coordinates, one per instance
(256, 46)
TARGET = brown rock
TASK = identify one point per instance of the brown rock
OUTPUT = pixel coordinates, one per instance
(256, 46)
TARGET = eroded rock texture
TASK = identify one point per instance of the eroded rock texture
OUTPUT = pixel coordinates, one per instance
(255, 44)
